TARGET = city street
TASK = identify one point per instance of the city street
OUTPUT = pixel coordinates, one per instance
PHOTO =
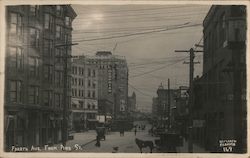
(124, 143)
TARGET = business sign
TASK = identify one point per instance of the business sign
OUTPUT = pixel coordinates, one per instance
(110, 80)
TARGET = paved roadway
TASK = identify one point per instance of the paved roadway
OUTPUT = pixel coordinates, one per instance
(125, 144)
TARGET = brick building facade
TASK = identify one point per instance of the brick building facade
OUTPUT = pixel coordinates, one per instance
(34, 71)
(214, 91)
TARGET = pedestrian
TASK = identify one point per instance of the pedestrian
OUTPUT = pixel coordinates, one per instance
(123, 131)
(120, 132)
(98, 144)
(135, 131)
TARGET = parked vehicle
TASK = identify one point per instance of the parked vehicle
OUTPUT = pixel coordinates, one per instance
(158, 131)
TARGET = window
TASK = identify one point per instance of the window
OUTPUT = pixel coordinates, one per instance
(80, 70)
(82, 93)
(75, 81)
(16, 24)
(94, 84)
(58, 55)
(93, 73)
(88, 106)
(34, 37)
(15, 91)
(34, 10)
(58, 78)
(88, 94)
(48, 21)
(76, 70)
(47, 98)
(89, 72)
(48, 73)
(48, 47)
(222, 29)
(16, 58)
(57, 100)
(59, 32)
(93, 106)
(89, 83)
(93, 94)
(33, 95)
(79, 82)
(81, 104)
(67, 21)
(33, 66)
(59, 10)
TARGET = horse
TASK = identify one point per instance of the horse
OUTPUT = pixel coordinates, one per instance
(143, 144)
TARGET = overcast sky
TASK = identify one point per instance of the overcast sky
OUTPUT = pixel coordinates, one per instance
(147, 36)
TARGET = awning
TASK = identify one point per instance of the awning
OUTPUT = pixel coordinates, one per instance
(92, 120)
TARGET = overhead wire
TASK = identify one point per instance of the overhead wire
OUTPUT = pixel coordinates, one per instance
(138, 33)
(144, 9)
(138, 90)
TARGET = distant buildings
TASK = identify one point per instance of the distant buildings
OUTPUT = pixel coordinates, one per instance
(154, 107)
(132, 102)
(163, 106)
(34, 73)
(220, 93)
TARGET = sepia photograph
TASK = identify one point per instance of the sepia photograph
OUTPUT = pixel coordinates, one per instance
(125, 78)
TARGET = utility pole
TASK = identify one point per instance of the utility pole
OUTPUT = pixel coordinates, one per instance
(169, 104)
(65, 89)
(190, 106)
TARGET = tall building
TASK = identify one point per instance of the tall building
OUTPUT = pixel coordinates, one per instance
(220, 94)
(34, 73)
(84, 93)
(112, 83)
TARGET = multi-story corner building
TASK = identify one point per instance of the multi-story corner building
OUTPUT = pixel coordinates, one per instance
(34, 73)
(99, 85)
(84, 93)
(112, 83)
(220, 94)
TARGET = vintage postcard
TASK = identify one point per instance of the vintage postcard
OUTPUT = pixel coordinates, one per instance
(124, 78)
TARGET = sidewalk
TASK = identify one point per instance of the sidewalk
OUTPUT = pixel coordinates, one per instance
(196, 148)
